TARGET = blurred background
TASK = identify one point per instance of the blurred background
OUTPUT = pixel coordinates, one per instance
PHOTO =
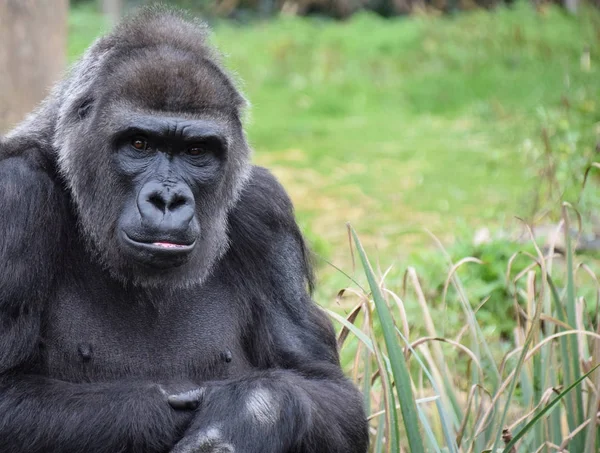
(403, 117)
(439, 129)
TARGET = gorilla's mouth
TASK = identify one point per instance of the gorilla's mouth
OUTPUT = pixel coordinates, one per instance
(171, 245)
(159, 248)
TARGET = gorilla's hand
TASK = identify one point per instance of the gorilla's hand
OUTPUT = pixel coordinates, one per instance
(244, 416)
(188, 399)
(204, 441)
(184, 412)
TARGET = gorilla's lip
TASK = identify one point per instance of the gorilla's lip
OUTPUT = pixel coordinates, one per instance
(162, 246)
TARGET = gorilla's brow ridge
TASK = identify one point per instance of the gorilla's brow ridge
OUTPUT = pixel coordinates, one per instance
(183, 128)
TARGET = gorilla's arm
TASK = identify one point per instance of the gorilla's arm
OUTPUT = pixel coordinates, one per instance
(299, 402)
(311, 408)
(38, 414)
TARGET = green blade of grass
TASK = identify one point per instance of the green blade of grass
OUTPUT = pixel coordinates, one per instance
(428, 431)
(565, 362)
(352, 328)
(449, 433)
(378, 447)
(396, 355)
(564, 350)
(538, 390)
(394, 435)
(578, 441)
(449, 398)
(540, 414)
(511, 390)
(366, 387)
(519, 367)
(389, 399)
(391, 415)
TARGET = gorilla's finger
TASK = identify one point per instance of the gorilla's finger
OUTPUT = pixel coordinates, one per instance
(186, 400)
(206, 441)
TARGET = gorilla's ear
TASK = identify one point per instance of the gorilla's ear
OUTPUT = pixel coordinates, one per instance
(85, 108)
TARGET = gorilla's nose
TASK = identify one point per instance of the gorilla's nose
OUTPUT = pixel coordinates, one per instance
(170, 206)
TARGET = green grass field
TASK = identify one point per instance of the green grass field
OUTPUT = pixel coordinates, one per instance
(404, 124)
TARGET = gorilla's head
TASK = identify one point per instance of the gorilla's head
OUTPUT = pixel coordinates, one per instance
(150, 142)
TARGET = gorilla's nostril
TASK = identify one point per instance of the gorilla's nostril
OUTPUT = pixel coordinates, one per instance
(158, 202)
(177, 203)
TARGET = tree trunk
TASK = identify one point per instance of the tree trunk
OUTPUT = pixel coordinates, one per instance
(33, 36)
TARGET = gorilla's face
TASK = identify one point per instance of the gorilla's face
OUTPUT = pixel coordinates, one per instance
(155, 157)
(171, 164)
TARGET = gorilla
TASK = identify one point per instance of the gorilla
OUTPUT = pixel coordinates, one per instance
(154, 285)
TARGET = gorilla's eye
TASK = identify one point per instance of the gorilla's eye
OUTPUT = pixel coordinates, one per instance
(195, 150)
(139, 143)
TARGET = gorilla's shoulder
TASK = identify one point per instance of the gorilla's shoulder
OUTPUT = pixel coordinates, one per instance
(32, 198)
(34, 210)
(24, 175)
(27, 162)
(264, 198)
(263, 228)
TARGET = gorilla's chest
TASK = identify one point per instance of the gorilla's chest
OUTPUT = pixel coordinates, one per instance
(93, 332)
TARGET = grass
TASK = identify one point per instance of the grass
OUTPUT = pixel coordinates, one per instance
(541, 395)
(393, 125)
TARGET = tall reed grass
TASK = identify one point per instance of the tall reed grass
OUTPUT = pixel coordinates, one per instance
(542, 395)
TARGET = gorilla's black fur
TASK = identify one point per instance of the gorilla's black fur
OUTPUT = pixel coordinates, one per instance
(154, 286)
